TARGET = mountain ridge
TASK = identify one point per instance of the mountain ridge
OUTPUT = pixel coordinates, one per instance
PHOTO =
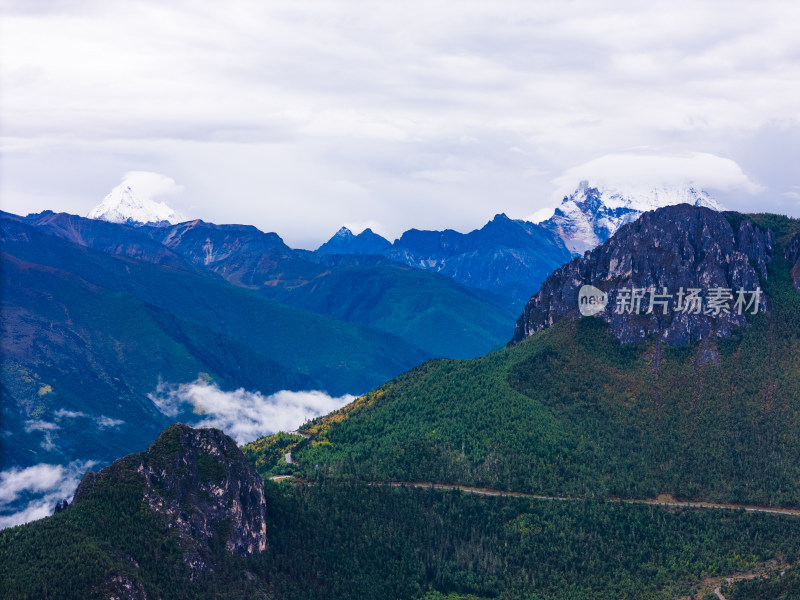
(506, 257)
(344, 242)
(573, 410)
(570, 412)
(512, 257)
(429, 311)
(93, 334)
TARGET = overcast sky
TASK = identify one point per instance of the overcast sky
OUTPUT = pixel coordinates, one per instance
(299, 117)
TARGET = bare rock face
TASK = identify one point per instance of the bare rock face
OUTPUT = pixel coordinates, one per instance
(125, 588)
(660, 257)
(793, 256)
(202, 484)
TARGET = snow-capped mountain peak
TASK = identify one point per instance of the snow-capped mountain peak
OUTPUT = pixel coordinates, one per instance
(131, 204)
(651, 198)
(345, 233)
(590, 215)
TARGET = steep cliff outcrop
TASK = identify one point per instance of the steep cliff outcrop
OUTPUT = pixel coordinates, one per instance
(649, 269)
(205, 489)
(793, 256)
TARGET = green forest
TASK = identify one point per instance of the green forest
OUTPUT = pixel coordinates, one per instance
(340, 540)
(571, 411)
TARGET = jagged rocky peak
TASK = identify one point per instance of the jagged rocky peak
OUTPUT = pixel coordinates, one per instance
(130, 202)
(344, 242)
(592, 213)
(202, 485)
(344, 232)
(646, 271)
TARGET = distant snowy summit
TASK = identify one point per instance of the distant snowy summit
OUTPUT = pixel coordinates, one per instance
(590, 215)
(130, 203)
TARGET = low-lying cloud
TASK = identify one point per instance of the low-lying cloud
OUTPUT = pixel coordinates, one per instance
(244, 415)
(70, 414)
(31, 426)
(151, 185)
(102, 421)
(31, 493)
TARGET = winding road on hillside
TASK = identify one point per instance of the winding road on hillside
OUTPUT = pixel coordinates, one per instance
(792, 512)
(655, 502)
(665, 502)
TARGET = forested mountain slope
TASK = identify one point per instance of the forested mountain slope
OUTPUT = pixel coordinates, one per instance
(153, 525)
(429, 311)
(88, 335)
(572, 410)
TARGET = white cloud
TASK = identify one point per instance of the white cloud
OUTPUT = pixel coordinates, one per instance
(651, 169)
(38, 478)
(31, 493)
(47, 443)
(404, 97)
(69, 414)
(541, 215)
(150, 185)
(35, 425)
(443, 176)
(104, 422)
(244, 415)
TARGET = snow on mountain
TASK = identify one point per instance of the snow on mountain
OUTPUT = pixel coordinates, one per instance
(644, 199)
(590, 215)
(130, 202)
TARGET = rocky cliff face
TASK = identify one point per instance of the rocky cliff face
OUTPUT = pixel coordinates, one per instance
(793, 256)
(241, 254)
(211, 245)
(680, 248)
(202, 484)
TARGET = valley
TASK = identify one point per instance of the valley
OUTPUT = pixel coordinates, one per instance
(399, 301)
(576, 462)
